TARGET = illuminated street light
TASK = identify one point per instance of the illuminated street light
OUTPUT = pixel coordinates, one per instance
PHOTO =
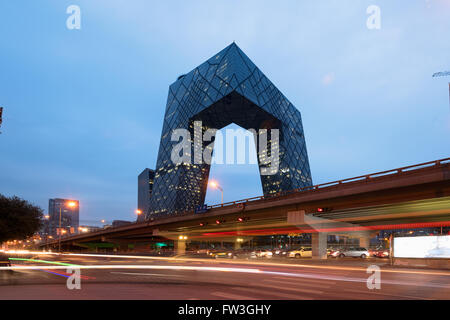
(71, 204)
(138, 212)
(215, 185)
(182, 238)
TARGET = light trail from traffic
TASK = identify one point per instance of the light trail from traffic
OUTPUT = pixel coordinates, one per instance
(222, 269)
(255, 263)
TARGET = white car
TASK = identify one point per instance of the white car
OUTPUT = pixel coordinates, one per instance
(262, 254)
(357, 252)
(300, 253)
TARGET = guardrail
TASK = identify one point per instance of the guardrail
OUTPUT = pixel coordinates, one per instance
(367, 177)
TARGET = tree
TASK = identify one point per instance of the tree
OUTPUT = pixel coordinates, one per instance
(19, 219)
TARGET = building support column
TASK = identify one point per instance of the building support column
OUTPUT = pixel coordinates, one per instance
(319, 245)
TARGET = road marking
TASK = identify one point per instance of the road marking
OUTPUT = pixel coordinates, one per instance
(303, 290)
(146, 274)
(231, 296)
(276, 294)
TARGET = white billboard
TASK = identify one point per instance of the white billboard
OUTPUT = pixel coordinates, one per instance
(422, 247)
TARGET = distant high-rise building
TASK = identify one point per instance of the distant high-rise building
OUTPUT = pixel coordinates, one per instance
(145, 187)
(70, 215)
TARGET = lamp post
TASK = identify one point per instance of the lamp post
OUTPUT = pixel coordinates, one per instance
(215, 185)
(70, 204)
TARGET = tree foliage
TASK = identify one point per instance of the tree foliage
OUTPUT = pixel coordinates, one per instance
(19, 219)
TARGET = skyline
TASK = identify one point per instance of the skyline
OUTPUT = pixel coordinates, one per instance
(83, 109)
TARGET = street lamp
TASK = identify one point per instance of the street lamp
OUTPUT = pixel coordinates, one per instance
(138, 212)
(70, 204)
(215, 185)
(46, 229)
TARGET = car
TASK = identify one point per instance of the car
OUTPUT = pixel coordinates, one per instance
(383, 253)
(281, 253)
(300, 253)
(373, 252)
(330, 252)
(222, 254)
(355, 252)
(262, 253)
(244, 253)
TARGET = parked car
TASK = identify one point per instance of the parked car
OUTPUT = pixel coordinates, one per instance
(352, 252)
(300, 253)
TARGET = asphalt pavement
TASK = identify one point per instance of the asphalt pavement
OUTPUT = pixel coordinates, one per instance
(202, 279)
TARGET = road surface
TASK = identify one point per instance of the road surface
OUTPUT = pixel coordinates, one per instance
(202, 279)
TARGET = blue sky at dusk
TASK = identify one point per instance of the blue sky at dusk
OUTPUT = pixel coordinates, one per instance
(83, 109)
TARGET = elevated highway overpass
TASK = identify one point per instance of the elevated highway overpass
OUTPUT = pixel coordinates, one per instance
(416, 196)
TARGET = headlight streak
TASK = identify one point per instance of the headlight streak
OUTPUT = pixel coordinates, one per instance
(221, 269)
(45, 261)
(256, 263)
(143, 267)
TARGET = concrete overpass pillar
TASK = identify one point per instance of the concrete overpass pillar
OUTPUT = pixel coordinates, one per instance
(180, 247)
(319, 245)
(238, 243)
(364, 242)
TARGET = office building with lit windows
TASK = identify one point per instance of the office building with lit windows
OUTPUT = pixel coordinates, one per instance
(70, 215)
(228, 88)
(145, 187)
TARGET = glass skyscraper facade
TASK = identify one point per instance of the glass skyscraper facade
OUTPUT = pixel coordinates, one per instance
(228, 88)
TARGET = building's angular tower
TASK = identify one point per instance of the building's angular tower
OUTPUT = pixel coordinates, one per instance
(228, 88)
